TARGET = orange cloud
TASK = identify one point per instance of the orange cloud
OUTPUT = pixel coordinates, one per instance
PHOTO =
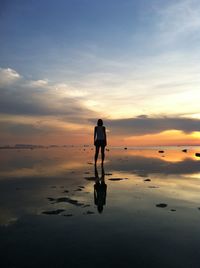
(170, 137)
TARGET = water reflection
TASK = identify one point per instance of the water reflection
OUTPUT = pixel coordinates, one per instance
(56, 162)
(100, 190)
(30, 177)
(144, 165)
(53, 198)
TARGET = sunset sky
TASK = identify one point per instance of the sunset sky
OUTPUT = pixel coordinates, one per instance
(133, 63)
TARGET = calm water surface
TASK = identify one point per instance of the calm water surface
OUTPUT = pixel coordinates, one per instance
(141, 210)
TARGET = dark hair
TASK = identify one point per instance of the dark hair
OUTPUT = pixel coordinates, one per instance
(100, 122)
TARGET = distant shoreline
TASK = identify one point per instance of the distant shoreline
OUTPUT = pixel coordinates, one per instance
(32, 147)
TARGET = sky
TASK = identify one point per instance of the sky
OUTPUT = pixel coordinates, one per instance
(133, 63)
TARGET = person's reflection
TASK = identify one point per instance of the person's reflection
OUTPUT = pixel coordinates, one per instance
(100, 190)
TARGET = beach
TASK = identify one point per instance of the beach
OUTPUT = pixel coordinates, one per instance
(141, 210)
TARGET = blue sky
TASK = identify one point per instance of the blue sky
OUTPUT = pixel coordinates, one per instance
(41, 37)
(111, 59)
(50, 33)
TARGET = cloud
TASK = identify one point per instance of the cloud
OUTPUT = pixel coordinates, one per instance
(39, 83)
(41, 111)
(179, 20)
(8, 77)
(39, 97)
(143, 124)
(19, 129)
(59, 107)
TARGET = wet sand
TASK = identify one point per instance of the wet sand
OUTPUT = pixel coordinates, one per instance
(142, 210)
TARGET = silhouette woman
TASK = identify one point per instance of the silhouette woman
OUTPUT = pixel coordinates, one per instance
(100, 140)
(100, 189)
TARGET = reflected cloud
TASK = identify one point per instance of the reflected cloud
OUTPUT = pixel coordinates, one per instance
(143, 166)
(6, 218)
(168, 155)
(40, 163)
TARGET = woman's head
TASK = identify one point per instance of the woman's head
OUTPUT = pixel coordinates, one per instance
(100, 122)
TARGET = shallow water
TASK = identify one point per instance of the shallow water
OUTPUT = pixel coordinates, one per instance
(141, 210)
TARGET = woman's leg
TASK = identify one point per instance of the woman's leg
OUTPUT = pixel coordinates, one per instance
(96, 154)
(102, 154)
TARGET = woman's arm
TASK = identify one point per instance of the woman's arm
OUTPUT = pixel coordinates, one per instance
(105, 136)
(95, 132)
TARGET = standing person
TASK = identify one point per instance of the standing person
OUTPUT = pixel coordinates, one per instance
(100, 140)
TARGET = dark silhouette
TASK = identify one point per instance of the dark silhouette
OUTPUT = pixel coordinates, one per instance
(100, 140)
(100, 189)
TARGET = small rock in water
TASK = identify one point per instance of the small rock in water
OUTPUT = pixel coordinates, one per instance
(125, 148)
(90, 178)
(173, 209)
(53, 212)
(147, 180)
(117, 179)
(68, 215)
(161, 205)
(68, 200)
(161, 151)
(85, 206)
(50, 199)
(89, 212)
(184, 150)
(66, 191)
(197, 154)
